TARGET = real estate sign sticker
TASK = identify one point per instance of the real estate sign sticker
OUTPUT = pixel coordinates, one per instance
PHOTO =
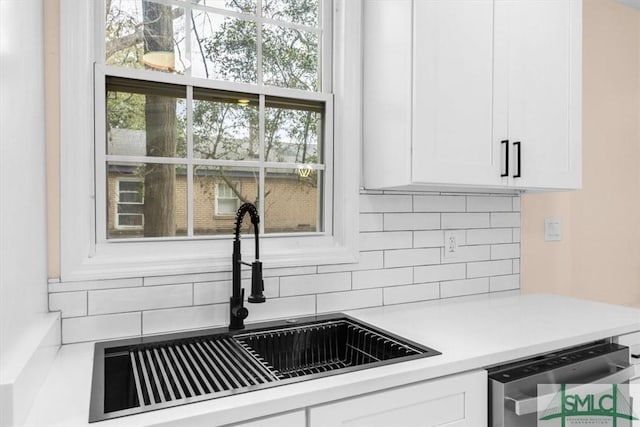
(567, 405)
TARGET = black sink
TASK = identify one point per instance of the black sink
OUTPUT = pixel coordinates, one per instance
(142, 374)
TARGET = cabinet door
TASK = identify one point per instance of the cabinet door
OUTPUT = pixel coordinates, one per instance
(387, 88)
(543, 42)
(456, 136)
(457, 401)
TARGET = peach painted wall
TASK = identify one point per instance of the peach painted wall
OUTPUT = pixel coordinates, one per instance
(52, 126)
(599, 256)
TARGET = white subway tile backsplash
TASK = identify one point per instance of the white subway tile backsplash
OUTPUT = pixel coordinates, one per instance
(386, 240)
(385, 203)
(284, 271)
(505, 219)
(411, 293)
(219, 292)
(504, 283)
(94, 284)
(94, 328)
(135, 299)
(314, 284)
(69, 304)
(489, 204)
(187, 278)
(366, 261)
(183, 318)
(511, 250)
(489, 268)
(486, 236)
(428, 239)
(350, 300)
(401, 237)
(438, 203)
(411, 221)
(211, 292)
(283, 308)
(411, 257)
(469, 253)
(464, 220)
(458, 288)
(382, 278)
(371, 222)
(437, 273)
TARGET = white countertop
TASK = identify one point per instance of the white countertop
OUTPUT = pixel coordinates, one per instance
(471, 333)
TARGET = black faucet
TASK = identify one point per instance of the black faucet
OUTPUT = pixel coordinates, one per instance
(237, 311)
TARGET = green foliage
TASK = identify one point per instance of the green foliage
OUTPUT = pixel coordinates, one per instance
(125, 110)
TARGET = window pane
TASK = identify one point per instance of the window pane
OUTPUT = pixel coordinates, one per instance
(130, 186)
(213, 215)
(130, 220)
(293, 201)
(145, 34)
(290, 58)
(225, 127)
(164, 211)
(124, 208)
(145, 119)
(304, 12)
(227, 206)
(130, 197)
(292, 133)
(223, 48)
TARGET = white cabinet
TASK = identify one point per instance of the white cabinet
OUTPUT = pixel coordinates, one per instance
(457, 400)
(291, 419)
(447, 81)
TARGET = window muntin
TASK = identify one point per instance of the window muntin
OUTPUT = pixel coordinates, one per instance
(217, 129)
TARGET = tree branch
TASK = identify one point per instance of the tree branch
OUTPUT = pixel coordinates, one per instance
(124, 42)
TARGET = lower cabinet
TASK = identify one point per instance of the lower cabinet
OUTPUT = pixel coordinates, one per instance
(457, 401)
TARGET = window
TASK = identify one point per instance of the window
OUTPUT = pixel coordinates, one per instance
(128, 205)
(88, 83)
(197, 92)
(227, 202)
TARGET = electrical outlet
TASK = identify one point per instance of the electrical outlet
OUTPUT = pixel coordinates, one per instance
(452, 242)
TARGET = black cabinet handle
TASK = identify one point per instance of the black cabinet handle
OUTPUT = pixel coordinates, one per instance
(505, 144)
(518, 159)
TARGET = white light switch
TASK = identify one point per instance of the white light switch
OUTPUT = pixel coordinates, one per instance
(552, 229)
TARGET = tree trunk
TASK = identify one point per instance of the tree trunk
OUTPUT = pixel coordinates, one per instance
(160, 119)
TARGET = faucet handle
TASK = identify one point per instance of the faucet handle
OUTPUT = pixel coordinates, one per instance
(257, 284)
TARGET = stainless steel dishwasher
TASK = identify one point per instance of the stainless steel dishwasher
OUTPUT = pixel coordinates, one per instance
(513, 398)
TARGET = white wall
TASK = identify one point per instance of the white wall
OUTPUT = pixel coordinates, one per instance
(23, 255)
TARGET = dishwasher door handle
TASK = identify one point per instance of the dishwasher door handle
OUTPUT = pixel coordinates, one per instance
(523, 404)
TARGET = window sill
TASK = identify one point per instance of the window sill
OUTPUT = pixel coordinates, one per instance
(114, 261)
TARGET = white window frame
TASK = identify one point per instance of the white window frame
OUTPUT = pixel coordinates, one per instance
(217, 198)
(116, 214)
(85, 257)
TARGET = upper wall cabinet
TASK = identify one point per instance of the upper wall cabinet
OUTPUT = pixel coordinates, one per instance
(472, 93)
